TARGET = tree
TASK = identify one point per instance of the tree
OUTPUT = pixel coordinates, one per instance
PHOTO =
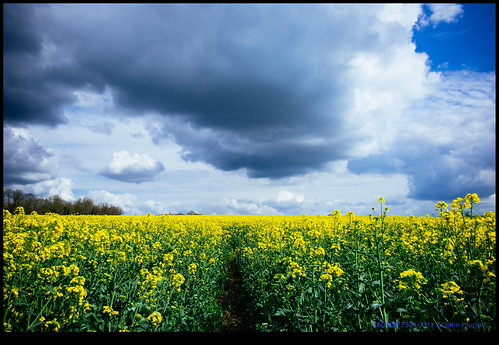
(55, 204)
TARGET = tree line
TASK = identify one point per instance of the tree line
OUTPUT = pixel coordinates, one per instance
(54, 204)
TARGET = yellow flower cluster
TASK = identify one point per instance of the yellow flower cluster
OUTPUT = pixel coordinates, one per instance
(332, 271)
(295, 270)
(484, 269)
(150, 282)
(109, 311)
(178, 280)
(451, 288)
(327, 278)
(155, 318)
(192, 268)
(467, 202)
(411, 280)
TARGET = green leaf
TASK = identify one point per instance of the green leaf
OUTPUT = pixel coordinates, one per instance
(20, 304)
(35, 325)
(361, 287)
(281, 312)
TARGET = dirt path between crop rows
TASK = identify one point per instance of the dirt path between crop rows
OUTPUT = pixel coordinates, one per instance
(235, 315)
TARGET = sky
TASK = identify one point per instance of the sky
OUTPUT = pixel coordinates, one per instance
(269, 109)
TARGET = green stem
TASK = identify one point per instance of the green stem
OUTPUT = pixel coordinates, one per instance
(38, 316)
(478, 302)
(380, 271)
(383, 311)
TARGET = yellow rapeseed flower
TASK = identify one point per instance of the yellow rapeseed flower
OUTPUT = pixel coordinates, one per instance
(178, 280)
(327, 278)
(109, 311)
(411, 280)
(192, 268)
(155, 318)
(451, 288)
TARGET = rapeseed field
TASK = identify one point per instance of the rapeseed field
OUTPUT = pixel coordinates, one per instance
(298, 273)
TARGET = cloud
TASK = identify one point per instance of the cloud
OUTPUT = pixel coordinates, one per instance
(286, 197)
(381, 94)
(25, 160)
(60, 186)
(28, 96)
(446, 145)
(40, 76)
(440, 13)
(91, 110)
(133, 168)
(284, 202)
(126, 201)
(288, 202)
(249, 207)
(157, 207)
(277, 92)
(266, 88)
(278, 122)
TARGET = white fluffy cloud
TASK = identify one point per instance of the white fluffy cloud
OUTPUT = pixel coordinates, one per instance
(445, 13)
(156, 207)
(60, 186)
(127, 201)
(284, 202)
(285, 197)
(386, 83)
(249, 207)
(135, 167)
(445, 144)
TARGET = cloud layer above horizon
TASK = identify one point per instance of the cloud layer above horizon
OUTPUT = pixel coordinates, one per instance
(277, 91)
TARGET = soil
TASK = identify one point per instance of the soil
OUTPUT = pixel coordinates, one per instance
(235, 315)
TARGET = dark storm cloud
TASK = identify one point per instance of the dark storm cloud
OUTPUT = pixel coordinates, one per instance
(24, 160)
(431, 176)
(31, 92)
(261, 74)
(18, 36)
(271, 159)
